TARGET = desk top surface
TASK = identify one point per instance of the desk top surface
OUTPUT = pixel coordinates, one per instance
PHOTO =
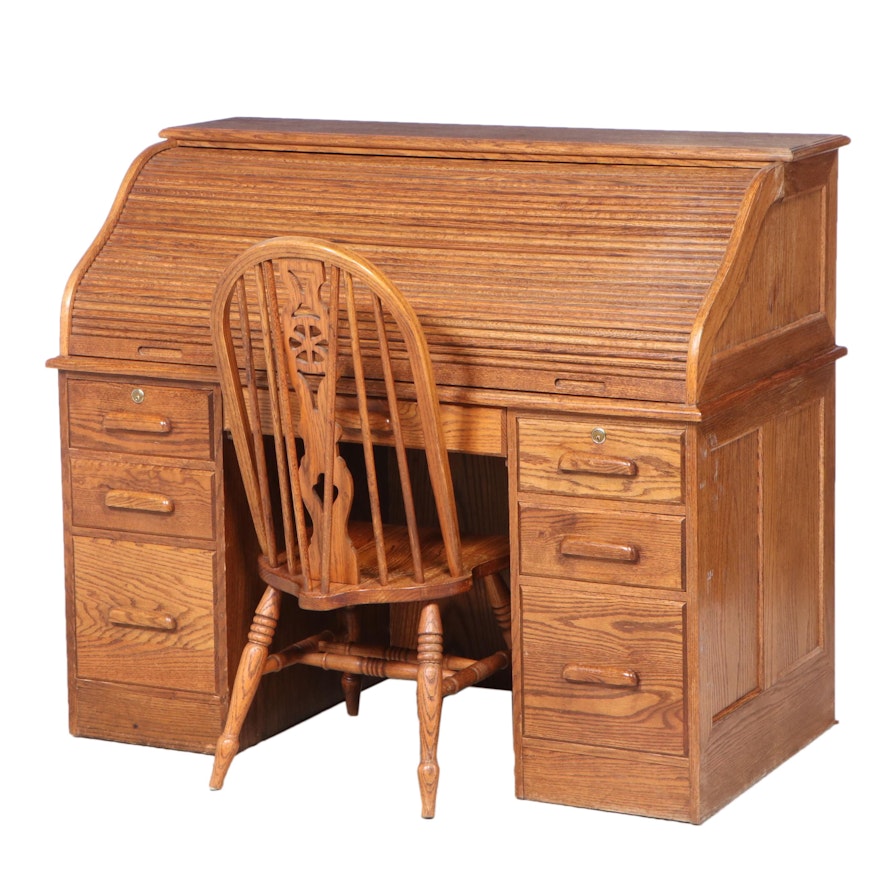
(520, 141)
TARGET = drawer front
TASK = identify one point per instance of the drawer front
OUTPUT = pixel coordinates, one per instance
(602, 670)
(638, 550)
(144, 614)
(167, 420)
(630, 463)
(154, 499)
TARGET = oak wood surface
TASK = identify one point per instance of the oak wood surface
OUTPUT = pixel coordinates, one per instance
(519, 142)
(170, 421)
(671, 629)
(625, 462)
(144, 614)
(593, 241)
(606, 779)
(636, 549)
(148, 498)
(636, 643)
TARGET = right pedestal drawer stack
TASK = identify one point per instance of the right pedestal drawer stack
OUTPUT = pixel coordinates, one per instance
(601, 683)
(673, 598)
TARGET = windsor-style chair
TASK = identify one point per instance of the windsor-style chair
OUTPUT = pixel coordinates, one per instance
(308, 337)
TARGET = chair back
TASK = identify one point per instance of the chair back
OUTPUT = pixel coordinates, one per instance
(308, 337)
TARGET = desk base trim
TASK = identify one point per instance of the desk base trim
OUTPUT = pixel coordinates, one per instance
(615, 780)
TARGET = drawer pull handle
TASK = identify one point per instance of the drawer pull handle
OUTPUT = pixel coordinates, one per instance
(122, 499)
(607, 676)
(583, 549)
(138, 619)
(136, 423)
(601, 465)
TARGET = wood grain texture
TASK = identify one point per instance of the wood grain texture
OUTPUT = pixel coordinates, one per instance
(170, 421)
(122, 590)
(571, 627)
(588, 241)
(769, 658)
(150, 716)
(731, 594)
(784, 310)
(794, 542)
(549, 537)
(517, 142)
(606, 779)
(474, 429)
(676, 290)
(630, 463)
(187, 493)
(309, 297)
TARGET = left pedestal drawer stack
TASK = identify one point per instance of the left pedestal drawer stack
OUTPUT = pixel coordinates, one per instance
(141, 500)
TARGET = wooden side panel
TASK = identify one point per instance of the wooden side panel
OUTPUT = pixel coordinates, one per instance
(794, 540)
(731, 585)
(786, 279)
(765, 506)
(783, 311)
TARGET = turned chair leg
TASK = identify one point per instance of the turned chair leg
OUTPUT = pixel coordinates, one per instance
(247, 679)
(429, 694)
(499, 599)
(351, 682)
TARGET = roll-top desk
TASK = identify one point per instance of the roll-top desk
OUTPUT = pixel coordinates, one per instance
(640, 324)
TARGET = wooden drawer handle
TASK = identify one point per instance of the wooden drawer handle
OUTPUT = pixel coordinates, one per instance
(122, 499)
(138, 619)
(607, 676)
(601, 465)
(137, 423)
(583, 549)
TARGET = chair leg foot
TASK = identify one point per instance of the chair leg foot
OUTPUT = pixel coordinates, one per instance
(247, 680)
(429, 694)
(351, 688)
(352, 682)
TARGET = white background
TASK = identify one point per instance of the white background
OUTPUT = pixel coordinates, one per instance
(86, 86)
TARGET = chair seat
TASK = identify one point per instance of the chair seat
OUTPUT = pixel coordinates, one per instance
(481, 556)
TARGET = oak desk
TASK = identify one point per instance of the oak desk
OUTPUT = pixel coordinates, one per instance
(640, 324)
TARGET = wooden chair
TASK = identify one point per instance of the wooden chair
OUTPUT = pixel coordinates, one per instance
(308, 337)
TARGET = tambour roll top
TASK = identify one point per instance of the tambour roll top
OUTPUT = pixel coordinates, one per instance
(630, 265)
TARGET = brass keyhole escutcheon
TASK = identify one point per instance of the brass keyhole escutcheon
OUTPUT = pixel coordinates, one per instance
(598, 435)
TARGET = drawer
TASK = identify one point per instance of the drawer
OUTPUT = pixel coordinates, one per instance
(602, 670)
(630, 463)
(167, 421)
(631, 549)
(144, 614)
(156, 499)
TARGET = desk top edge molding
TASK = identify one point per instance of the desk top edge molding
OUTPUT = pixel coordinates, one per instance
(540, 143)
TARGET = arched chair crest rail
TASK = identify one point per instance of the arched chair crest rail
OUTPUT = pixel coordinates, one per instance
(313, 345)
